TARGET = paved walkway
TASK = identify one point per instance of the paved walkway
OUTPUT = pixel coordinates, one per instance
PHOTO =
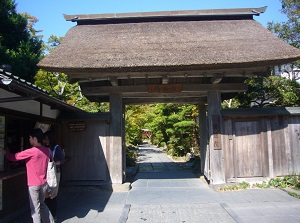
(164, 191)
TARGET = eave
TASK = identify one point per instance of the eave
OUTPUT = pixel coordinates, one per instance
(113, 17)
(29, 91)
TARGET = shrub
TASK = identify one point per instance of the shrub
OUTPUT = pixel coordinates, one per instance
(131, 155)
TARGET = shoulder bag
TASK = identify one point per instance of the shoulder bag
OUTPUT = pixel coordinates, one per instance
(51, 173)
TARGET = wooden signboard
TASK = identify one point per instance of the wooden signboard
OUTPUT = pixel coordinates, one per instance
(77, 126)
(217, 142)
(216, 132)
(164, 88)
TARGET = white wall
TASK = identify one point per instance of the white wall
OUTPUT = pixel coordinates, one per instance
(30, 106)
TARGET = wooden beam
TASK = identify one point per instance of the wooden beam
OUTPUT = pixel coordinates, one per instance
(113, 81)
(164, 95)
(135, 101)
(114, 89)
(165, 79)
(216, 79)
(201, 88)
(231, 87)
(14, 99)
(164, 88)
(87, 75)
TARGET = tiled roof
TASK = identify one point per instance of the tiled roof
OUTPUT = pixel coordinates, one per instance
(15, 84)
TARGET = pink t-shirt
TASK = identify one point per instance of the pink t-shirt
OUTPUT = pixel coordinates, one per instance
(36, 159)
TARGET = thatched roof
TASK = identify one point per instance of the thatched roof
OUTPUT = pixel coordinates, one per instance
(211, 46)
(201, 44)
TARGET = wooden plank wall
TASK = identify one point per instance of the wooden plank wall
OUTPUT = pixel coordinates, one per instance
(247, 141)
(279, 148)
(85, 158)
(261, 146)
(294, 142)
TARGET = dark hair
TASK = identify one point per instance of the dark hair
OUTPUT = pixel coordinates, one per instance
(38, 133)
(52, 138)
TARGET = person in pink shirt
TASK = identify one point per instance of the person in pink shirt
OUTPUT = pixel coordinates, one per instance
(36, 159)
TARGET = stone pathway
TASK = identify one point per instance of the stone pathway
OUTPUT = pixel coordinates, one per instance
(164, 191)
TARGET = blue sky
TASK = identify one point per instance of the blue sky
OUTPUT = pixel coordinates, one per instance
(51, 21)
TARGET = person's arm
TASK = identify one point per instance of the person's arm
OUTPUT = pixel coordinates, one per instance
(59, 156)
(17, 156)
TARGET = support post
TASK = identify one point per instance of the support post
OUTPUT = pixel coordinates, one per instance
(203, 135)
(270, 151)
(123, 143)
(115, 136)
(217, 169)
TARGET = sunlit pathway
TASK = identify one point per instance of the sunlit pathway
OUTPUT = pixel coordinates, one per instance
(164, 191)
(152, 159)
(166, 195)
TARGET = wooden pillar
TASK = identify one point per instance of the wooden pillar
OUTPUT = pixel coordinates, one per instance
(203, 135)
(115, 139)
(270, 151)
(217, 169)
(123, 143)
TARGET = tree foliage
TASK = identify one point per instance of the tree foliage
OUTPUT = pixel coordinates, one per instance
(20, 47)
(58, 87)
(289, 32)
(283, 89)
(174, 126)
(269, 92)
(135, 119)
(53, 41)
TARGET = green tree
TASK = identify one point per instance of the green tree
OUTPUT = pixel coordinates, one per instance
(183, 131)
(19, 46)
(289, 32)
(276, 91)
(58, 87)
(53, 41)
(175, 127)
(157, 121)
(269, 92)
(135, 120)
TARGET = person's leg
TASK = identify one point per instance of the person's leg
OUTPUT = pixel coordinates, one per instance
(51, 204)
(54, 207)
(54, 200)
(34, 203)
(45, 213)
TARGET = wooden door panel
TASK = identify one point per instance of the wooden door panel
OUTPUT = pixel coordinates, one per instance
(247, 146)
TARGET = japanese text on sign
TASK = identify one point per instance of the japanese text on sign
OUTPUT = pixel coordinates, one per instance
(164, 88)
(77, 126)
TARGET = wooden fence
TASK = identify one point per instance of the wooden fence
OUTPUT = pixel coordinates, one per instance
(261, 142)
